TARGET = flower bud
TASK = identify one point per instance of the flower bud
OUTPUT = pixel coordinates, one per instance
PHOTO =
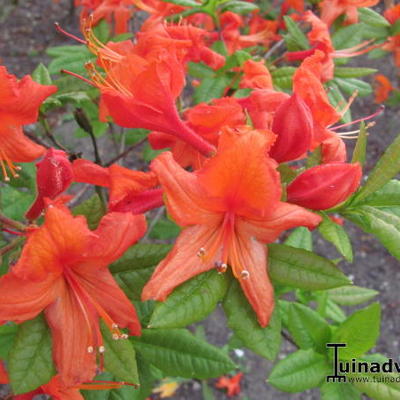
(324, 186)
(294, 127)
(54, 175)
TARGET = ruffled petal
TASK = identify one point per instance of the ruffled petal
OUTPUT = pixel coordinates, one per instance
(181, 264)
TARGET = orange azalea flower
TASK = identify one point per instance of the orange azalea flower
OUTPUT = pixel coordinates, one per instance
(228, 209)
(129, 190)
(331, 9)
(134, 105)
(207, 121)
(63, 271)
(19, 105)
(392, 15)
(231, 384)
(256, 75)
(383, 88)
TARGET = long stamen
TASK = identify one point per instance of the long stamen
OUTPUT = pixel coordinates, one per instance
(65, 71)
(70, 35)
(375, 114)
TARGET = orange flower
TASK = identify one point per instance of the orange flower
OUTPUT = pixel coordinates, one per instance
(228, 209)
(206, 120)
(256, 75)
(383, 88)
(129, 190)
(393, 15)
(331, 9)
(19, 105)
(63, 271)
(231, 384)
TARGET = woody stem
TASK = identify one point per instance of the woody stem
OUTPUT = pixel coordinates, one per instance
(11, 245)
(11, 223)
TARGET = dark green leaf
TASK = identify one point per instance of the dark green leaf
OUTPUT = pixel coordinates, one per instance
(301, 238)
(179, 353)
(14, 202)
(359, 332)
(7, 336)
(92, 209)
(30, 363)
(164, 229)
(303, 269)
(190, 302)
(299, 371)
(242, 320)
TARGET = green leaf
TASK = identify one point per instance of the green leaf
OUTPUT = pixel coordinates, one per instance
(359, 332)
(334, 312)
(210, 88)
(308, 328)
(384, 223)
(299, 371)
(184, 3)
(102, 31)
(239, 7)
(30, 363)
(296, 34)
(351, 295)
(179, 353)
(134, 268)
(378, 386)
(7, 336)
(387, 196)
(350, 72)
(300, 238)
(206, 391)
(71, 58)
(386, 168)
(119, 357)
(360, 149)
(265, 342)
(14, 202)
(92, 209)
(348, 36)
(283, 77)
(336, 234)
(190, 302)
(337, 99)
(200, 70)
(164, 229)
(371, 17)
(339, 391)
(351, 85)
(41, 75)
(303, 269)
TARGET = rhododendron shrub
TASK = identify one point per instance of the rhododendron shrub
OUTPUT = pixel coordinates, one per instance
(222, 156)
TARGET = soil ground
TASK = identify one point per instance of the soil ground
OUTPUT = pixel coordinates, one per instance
(26, 30)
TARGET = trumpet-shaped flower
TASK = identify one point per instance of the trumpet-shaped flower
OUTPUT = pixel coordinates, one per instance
(63, 271)
(228, 209)
(19, 105)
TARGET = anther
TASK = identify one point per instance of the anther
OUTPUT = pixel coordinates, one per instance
(245, 274)
(124, 336)
(115, 336)
(102, 349)
(114, 326)
(201, 252)
(90, 349)
(221, 267)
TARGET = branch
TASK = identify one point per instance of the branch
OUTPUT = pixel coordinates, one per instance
(124, 153)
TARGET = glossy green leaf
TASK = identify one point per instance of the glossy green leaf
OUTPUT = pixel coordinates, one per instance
(303, 269)
(370, 17)
(386, 168)
(133, 270)
(301, 238)
(93, 209)
(353, 72)
(359, 332)
(337, 235)
(383, 222)
(299, 371)
(308, 328)
(178, 353)
(351, 295)
(119, 357)
(339, 391)
(242, 320)
(190, 302)
(30, 363)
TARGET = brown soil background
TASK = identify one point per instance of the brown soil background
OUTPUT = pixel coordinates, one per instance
(26, 30)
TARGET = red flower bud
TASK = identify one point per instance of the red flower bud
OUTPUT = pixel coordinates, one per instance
(294, 127)
(324, 186)
(54, 175)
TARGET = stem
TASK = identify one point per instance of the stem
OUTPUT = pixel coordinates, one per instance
(275, 47)
(35, 139)
(12, 245)
(48, 133)
(123, 154)
(11, 223)
(288, 338)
